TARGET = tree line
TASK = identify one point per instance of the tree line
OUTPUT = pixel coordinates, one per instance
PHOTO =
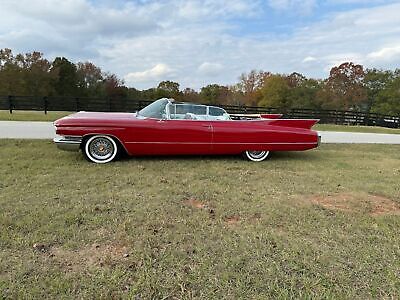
(349, 86)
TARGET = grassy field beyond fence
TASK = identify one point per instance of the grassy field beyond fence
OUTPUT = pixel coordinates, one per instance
(28, 115)
(315, 224)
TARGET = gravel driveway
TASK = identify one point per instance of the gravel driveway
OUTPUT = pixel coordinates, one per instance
(45, 130)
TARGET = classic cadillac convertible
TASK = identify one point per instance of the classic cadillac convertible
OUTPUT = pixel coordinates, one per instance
(166, 127)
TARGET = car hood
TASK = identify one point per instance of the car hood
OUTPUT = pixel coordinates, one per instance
(89, 118)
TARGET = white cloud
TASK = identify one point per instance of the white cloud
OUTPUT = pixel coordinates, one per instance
(210, 69)
(196, 9)
(385, 54)
(336, 2)
(158, 72)
(309, 59)
(197, 42)
(296, 6)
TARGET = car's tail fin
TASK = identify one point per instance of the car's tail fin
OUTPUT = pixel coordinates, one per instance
(297, 123)
(270, 116)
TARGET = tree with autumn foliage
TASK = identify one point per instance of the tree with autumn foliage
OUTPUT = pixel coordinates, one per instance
(90, 79)
(114, 87)
(344, 88)
(348, 87)
(25, 74)
(250, 85)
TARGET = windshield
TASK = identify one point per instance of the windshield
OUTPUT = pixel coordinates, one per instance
(167, 110)
(155, 110)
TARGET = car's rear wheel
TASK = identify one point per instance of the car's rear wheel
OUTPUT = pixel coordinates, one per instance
(256, 155)
(100, 149)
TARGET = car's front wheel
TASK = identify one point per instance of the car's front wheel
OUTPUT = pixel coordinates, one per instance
(256, 155)
(100, 149)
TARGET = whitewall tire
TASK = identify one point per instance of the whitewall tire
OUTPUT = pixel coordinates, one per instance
(256, 155)
(100, 149)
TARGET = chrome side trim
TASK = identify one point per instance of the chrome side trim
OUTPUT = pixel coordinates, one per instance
(233, 143)
(68, 143)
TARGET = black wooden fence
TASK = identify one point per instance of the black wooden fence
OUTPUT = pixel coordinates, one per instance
(126, 105)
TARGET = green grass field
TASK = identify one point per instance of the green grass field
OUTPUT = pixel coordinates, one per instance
(316, 224)
(26, 115)
(349, 128)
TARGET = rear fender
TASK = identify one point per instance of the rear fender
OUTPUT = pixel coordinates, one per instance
(296, 123)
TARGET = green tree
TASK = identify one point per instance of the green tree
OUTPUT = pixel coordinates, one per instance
(25, 74)
(168, 89)
(11, 81)
(90, 79)
(37, 76)
(214, 94)
(66, 83)
(275, 92)
(190, 95)
(376, 81)
(304, 95)
(134, 94)
(388, 99)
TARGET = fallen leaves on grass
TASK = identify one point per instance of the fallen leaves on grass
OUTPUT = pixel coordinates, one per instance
(374, 205)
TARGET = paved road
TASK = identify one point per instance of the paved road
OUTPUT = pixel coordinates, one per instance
(333, 137)
(26, 130)
(45, 130)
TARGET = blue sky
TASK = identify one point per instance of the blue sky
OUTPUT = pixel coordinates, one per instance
(211, 41)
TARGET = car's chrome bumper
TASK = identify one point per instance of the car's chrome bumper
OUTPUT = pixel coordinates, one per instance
(68, 143)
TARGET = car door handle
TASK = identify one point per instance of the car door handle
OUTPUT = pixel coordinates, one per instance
(208, 126)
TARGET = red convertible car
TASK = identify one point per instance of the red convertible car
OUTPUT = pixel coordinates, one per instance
(166, 127)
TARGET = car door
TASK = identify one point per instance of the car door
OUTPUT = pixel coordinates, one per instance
(172, 136)
(184, 137)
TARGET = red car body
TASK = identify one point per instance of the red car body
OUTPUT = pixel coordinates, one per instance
(152, 136)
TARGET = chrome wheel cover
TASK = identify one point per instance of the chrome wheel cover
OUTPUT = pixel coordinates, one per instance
(101, 149)
(257, 155)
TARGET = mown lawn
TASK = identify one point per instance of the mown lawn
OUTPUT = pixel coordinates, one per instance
(317, 224)
(26, 115)
(350, 128)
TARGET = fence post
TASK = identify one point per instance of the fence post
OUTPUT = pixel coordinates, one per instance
(10, 103)
(45, 102)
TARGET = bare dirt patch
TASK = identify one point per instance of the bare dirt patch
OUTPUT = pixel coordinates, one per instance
(90, 256)
(232, 220)
(195, 203)
(374, 205)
